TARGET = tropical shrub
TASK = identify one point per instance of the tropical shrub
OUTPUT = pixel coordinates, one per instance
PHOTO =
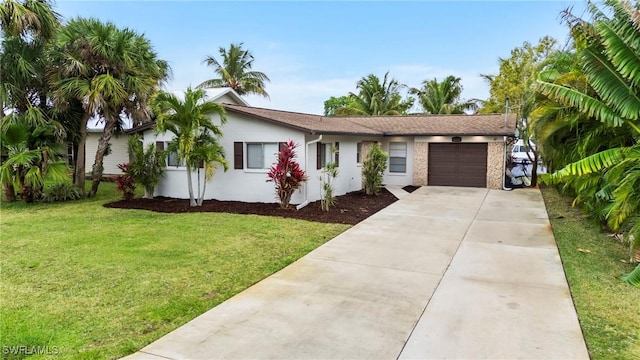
(63, 191)
(328, 198)
(606, 180)
(286, 174)
(148, 165)
(373, 170)
(125, 182)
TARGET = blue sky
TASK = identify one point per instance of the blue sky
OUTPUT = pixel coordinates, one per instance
(312, 50)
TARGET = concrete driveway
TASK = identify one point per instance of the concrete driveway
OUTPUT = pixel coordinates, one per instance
(442, 273)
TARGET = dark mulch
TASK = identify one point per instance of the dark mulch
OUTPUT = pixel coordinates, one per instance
(410, 188)
(350, 208)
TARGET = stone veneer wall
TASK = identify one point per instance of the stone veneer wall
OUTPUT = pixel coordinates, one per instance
(420, 163)
(495, 162)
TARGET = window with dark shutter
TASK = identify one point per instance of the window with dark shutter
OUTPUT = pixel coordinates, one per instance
(160, 145)
(319, 152)
(337, 153)
(238, 156)
(281, 146)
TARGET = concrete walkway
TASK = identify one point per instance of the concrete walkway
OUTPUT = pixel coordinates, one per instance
(443, 273)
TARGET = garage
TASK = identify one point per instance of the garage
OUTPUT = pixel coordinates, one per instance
(460, 164)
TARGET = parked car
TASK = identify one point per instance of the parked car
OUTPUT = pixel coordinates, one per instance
(521, 153)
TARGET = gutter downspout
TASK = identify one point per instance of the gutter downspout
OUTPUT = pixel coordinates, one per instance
(306, 163)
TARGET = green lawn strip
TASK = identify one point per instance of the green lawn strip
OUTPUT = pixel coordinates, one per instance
(608, 309)
(102, 283)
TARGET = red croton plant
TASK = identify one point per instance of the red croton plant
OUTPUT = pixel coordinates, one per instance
(286, 174)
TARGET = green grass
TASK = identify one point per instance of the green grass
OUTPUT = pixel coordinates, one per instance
(608, 309)
(102, 283)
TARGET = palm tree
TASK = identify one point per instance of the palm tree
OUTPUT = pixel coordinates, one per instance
(442, 97)
(32, 156)
(610, 61)
(112, 72)
(377, 98)
(235, 72)
(27, 27)
(195, 132)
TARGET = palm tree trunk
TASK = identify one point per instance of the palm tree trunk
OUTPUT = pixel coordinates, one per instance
(103, 143)
(192, 201)
(8, 192)
(81, 154)
(201, 197)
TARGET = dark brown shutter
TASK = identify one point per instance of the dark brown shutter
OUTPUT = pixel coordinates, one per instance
(160, 145)
(281, 146)
(337, 154)
(238, 155)
(318, 156)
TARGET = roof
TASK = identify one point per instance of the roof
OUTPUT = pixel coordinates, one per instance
(304, 122)
(401, 125)
(416, 125)
(212, 94)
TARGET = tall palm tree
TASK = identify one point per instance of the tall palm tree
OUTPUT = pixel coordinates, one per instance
(235, 71)
(112, 72)
(610, 56)
(377, 98)
(191, 122)
(442, 97)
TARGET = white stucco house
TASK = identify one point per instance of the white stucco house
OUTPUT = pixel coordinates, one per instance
(454, 150)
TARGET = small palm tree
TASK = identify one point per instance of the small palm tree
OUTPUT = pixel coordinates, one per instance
(235, 71)
(32, 155)
(191, 123)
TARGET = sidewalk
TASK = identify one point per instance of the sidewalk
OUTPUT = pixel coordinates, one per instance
(442, 273)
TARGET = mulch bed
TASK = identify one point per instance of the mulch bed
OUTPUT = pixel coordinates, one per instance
(350, 208)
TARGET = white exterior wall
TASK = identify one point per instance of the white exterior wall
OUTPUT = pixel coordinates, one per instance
(349, 171)
(399, 178)
(119, 152)
(243, 184)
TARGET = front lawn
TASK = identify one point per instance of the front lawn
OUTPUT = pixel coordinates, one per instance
(608, 309)
(91, 282)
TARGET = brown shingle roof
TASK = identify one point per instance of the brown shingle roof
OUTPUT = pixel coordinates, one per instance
(416, 125)
(305, 122)
(412, 125)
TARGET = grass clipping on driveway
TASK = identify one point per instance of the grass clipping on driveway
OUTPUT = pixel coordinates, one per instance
(608, 308)
(85, 281)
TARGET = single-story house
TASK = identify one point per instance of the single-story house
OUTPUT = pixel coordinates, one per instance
(449, 150)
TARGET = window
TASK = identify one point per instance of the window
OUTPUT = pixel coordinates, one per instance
(172, 156)
(261, 155)
(358, 153)
(398, 157)
(324, 151)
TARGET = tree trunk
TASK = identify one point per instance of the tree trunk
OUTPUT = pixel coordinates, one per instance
(78, 177)
(192, 201)
(103, 143)
(204, 187)
(8, 192)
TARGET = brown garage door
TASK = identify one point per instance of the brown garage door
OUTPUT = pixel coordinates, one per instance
(458, 164)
